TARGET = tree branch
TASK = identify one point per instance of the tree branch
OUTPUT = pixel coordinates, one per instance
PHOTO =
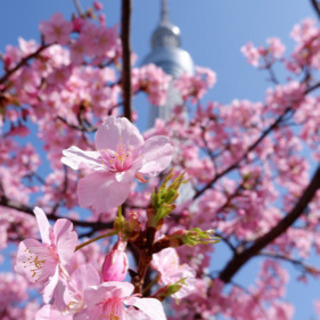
(11, 204)
(126, 58)
(252, 147)
(239, 259)
(298, 263)
(22, 62)
(316, 7)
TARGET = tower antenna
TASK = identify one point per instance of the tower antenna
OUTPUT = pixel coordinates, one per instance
(164, 11)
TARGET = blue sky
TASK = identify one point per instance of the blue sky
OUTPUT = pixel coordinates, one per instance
(213, 32)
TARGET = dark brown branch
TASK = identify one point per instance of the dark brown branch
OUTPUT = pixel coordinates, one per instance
(273, 126)
(312, 88)
(22, 63)
(239, 259)
(316, 6)
(252, 147)
(126, 58)
(254, 298)
(80, 127)
(298, 263)
(11, 204)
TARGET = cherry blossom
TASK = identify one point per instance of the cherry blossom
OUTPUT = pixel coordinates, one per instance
(167, 264)
(248, 165)
(57, 29)
(45, 263)
(122, 155)
(109, 301)
(251, 53)
(116, 263)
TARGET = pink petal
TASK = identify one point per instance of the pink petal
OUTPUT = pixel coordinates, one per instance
(119, 289)
(49, 312)
(150, 306)
(85, 276)
(140, 177)
(65, 239)
(22, 265)
(74, 157)
(51, 285)
(93, 313)
(134, 314)
(108, 290)
(35, 261)
(102, 191)
(115, 131)
(157, 155)
(43, 224)
(94, 295)
(126, 176)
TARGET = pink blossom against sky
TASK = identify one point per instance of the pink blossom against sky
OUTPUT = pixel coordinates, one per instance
(218, 49)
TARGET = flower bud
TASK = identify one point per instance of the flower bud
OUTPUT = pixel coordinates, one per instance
(116, 263)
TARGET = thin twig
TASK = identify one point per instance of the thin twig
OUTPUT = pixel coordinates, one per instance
(239, 259)
(126, 58)
(24, 61)
(298, 263)
(250, 148)
(316, 7)
(12, 204)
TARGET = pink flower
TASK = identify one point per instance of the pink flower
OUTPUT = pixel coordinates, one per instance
(167, 263)
(116, 263)
(50, 312)
(317, 306)
(276, 47)
(45, 263)
(97, 5)
(122, 155)
(154, 81)
(251, 53)
(68, 297)
(57, 29)
(108, 300)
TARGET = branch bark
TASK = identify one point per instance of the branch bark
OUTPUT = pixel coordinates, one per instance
(316, 6)
(126, 58)
(22, 63)
(265, 133)
(11, 204)
(239, 259)
(252, 147)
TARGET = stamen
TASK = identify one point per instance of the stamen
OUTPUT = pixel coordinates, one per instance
(33, 264)
(118, 161)
(113, 309)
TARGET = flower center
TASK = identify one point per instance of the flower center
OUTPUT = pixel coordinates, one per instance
(113, 309)
(118, 161)
(33, 264)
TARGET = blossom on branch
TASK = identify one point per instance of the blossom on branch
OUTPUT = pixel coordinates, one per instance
(122, 155)
(116, 263)
(108, 300)
(45, 263)
(166, 262)
(56, 30)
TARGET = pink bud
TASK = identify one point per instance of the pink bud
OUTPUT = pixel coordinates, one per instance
(20, 131)
(98, 5)
(116, 263)
(78, 23)
(102, 20)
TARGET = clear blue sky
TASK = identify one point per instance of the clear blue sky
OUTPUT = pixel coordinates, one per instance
(213, 32)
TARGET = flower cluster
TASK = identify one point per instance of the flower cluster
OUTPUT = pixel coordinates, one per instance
(246, 169)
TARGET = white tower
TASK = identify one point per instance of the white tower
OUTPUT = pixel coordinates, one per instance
(167, 54)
